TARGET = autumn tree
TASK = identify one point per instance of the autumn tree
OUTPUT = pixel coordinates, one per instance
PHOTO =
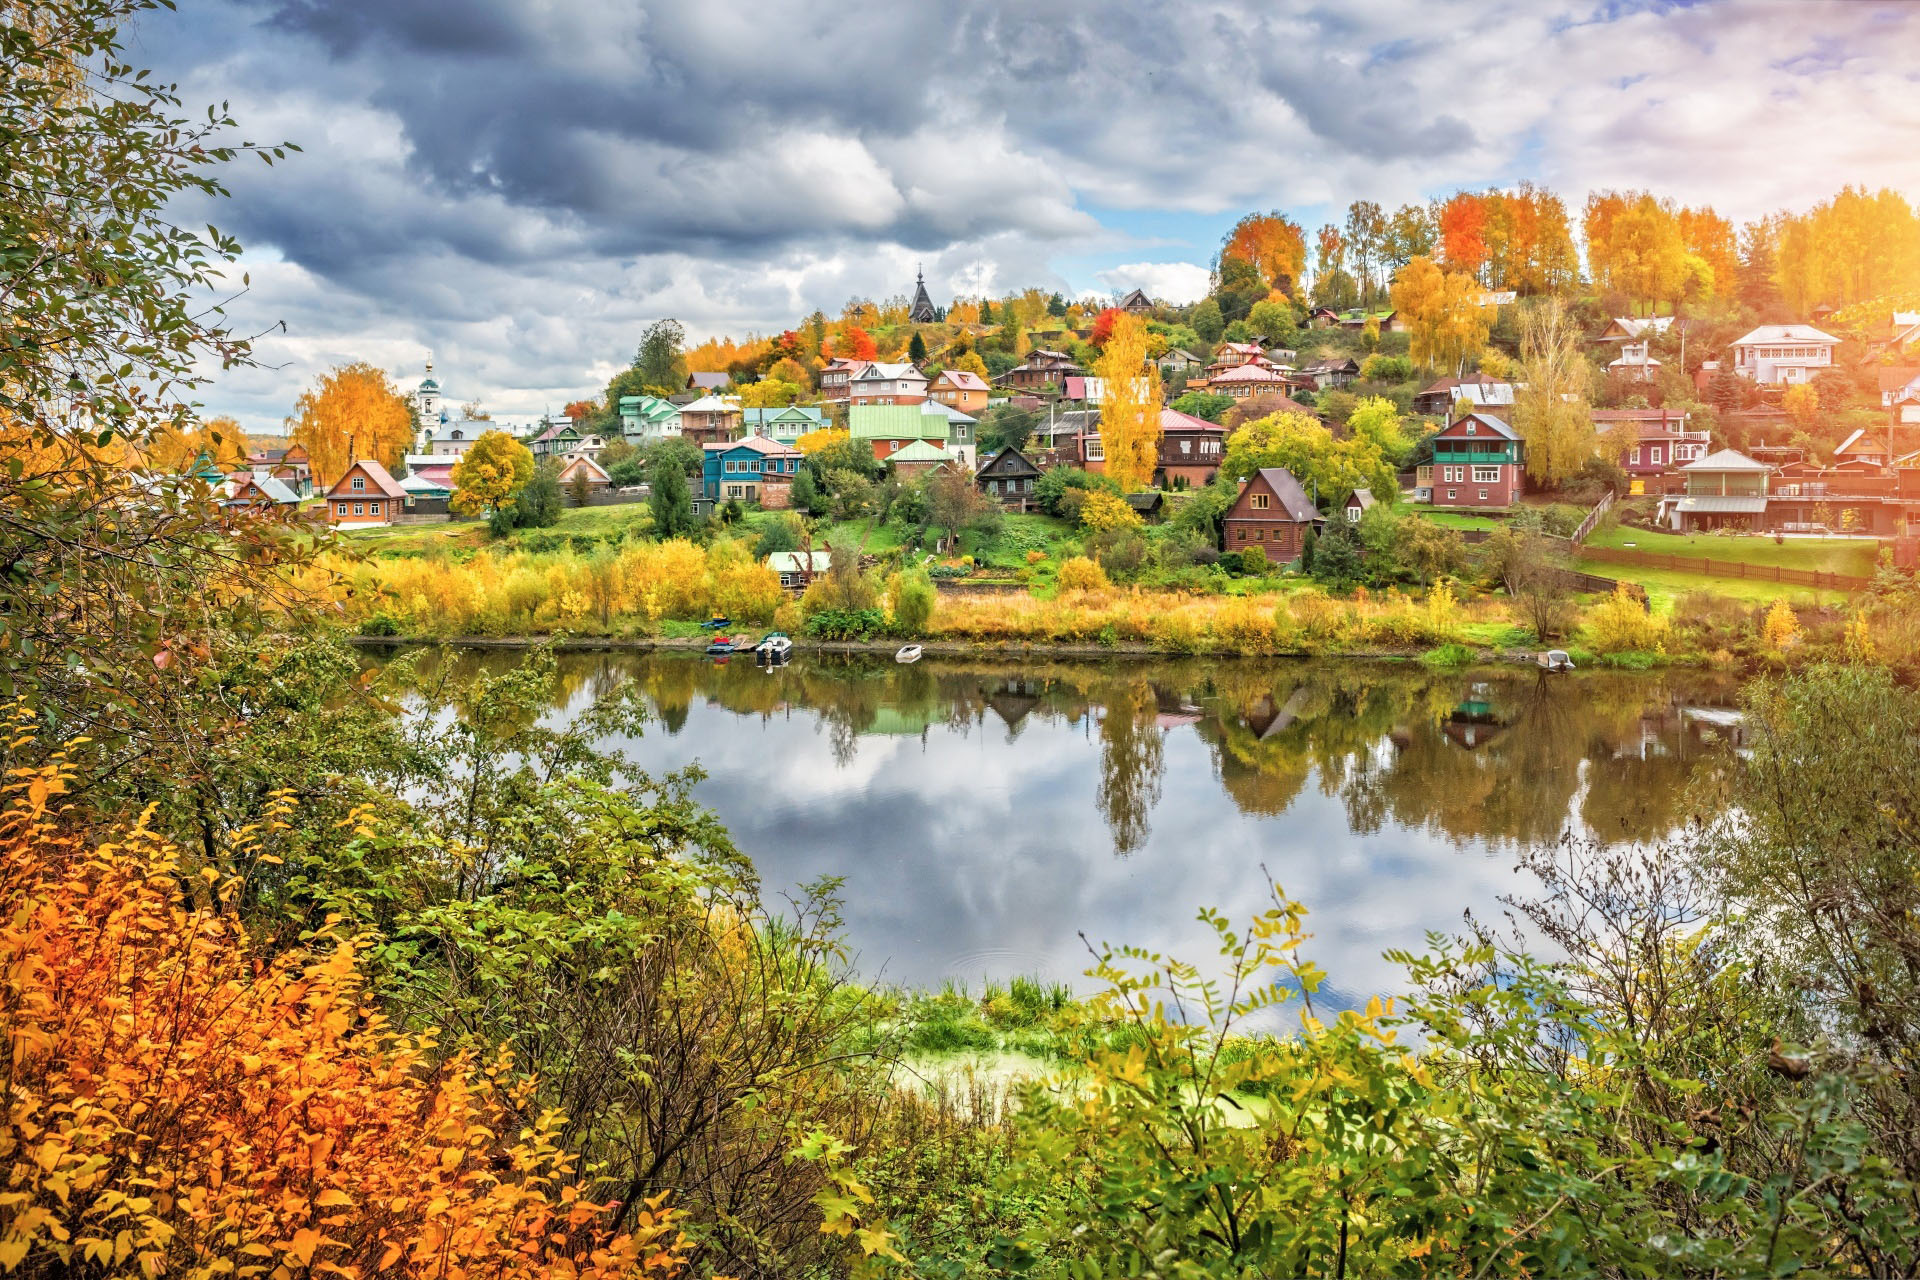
(1130, 408)
(1856, 246)
(353, 412)
(854, 343)
(177, 449)
(1273, 245)
(489, 477)
(1711, 238)
(1365, 234)
(1802, 405)
(1410, 234)
(1551, 412)
(578, 409)
(1307, 448)
(1443, 312)
(1462, 226)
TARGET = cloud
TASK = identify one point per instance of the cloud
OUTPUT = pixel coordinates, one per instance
(1175, 282)
(522, 186)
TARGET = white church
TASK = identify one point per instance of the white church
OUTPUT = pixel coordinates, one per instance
(441, 434)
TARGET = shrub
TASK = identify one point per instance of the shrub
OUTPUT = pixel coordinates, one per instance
(1036, 556)
(1253, 561)
(910, 601)
(1448, 655)
(1621, 624)
(1081, 574)
(1102, 511)
(1781, 627)
(845, 624)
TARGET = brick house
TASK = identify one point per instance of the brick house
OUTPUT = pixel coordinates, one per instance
(1272, 513)
(365, 494)
(1477, 462)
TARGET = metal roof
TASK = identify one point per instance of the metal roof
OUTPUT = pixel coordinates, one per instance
(1721, 504)
(1726, 460)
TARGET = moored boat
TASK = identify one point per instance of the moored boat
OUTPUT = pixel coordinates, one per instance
(1554, 660)
(908, 653)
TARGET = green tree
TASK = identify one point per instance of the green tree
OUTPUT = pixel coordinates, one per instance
(1304, 446)
(539, 504)
(1207, 320)
(660, 360)
(917, 348)
(806, 493)
(1210, 405)
(670, 503)
(1377, 420)
(910, 601)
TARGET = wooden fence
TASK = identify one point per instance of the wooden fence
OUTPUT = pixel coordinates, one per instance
(1727, 568)
(1593, 518)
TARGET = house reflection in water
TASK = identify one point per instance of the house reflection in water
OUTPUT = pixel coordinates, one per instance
(1473, 723)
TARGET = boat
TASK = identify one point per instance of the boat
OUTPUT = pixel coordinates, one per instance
(774, 645)
(908, 653)
(716, 622)
(1554, 660)
(720, 644)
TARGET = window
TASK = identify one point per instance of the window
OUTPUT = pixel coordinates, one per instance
(1259, 535)
(1653, 454)
(1472, 426)
(359, 484)
(1186, 446)
(373, 508)
(1353, 515)
(1636, 455)
(1260, 502)
(359, 508)
(1451, 495)
(1486, 475)
(1483, 495)
(339, 508)
(1239, 535)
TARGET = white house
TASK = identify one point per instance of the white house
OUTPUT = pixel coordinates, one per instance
(1633, 334)
(1783, 353)
(880, 383)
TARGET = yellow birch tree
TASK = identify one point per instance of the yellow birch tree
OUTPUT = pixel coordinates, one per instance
(1130, 411)
(1550, 409)
(352, 412)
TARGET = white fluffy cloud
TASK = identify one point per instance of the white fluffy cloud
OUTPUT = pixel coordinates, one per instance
(522, 186)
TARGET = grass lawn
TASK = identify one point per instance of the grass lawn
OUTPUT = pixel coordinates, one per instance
(1664, 586)
(1456, 519)
(606, 524)
(1828, 555)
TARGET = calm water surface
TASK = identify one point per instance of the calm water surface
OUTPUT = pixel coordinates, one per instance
(984, 814)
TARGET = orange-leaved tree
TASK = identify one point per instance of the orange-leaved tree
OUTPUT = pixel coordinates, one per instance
(1273, 244)
(352, 412)
(179, 1105)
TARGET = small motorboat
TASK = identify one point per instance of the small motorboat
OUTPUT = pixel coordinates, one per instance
(774, 645)
(1554, 660)
(908, 653)
(720, 644)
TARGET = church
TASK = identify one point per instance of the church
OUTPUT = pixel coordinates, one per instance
(440, 434)
(922, 310)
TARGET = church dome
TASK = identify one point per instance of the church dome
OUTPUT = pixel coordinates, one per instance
(428, 384)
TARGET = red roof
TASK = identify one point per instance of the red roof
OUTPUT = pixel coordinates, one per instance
(1174, 420)
(1249, 373)
(964, 379)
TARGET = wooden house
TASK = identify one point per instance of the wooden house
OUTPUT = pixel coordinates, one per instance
(755, 469)
(1136, 303)
(710, 420)
(1273, 513)
(1478, 461)
(1008, 477)
(365, 494)
(960, 389)
(582, 468)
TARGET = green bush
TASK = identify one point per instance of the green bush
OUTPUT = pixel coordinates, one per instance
(1448, 655)
(846, 624)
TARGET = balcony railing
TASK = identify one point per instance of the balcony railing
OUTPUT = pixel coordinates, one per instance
(1485, 458)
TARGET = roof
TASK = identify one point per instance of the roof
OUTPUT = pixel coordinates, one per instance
(953, 416)
(1249, 373)
(710, 404)
(993, 459)
(555, 431)
(1293, 499)
(1638, 415)
(580, 459)
(1179, 353)
(754, 417)
(709, 381)
(1638, 362)
(1364, 497)
(1726, 460)
(1244, 348)
(382, 480)
(1771, 333)
(1500, 393)
(430, 462)
(275, 490)
(1633, 326)
(1332, 366)
(963, 379)
(797, 561)
(919, 451)
(878, 372)
(756, 444)
(1719, 504)
(1897, 377)
(895, 422)
(1174, 420)
(418, 484)
(1499, 425)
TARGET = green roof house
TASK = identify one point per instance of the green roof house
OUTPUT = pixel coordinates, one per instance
(887, 428)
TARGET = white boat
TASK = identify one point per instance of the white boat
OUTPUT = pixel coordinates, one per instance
(775, 645)
(1554, 660)
(908, 653)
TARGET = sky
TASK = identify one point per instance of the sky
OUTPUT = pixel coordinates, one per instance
(520, 186)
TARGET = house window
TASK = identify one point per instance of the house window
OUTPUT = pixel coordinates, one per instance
(1483, 495)
(359, 508)
(1653, 454)
(1472, 427)
(1260, 502)
(1486, 475)
(359, 484)
(1451, 495)
(339, 508)
(1353, 515)
(373, 508)
(1239, 535)
(1186, 446)
(1259, 535)
(1636, 455)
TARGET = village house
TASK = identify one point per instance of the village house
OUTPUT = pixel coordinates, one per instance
(578, 468)
(1724, 490)
(428, 494)
(1900, 337)
(960, 389)
(887, 384)
(755, 469)
(961, 431)
(1437, 399)
(1661, 443)
(1273, 513)
(799, 568)
(1477, 462)
(1327, 374)
(648, 418)
(1900, 393)
(1876, 448)
(1389, 321)
(365, 495)
(1632, 336)
(1254, 378)
(917, 457)
(887, 428)
(1783, 354)
(710, 420)
(1136, 303)
(836, 377)
(560, 438)
(1177, 362)
(257, 489)
(291, 466)
(1358, 503)
(708, 383)
(1233, 354)
(786, 423)
(1008, 478)
(1188, 455)
(1043, 367)
(436, 467)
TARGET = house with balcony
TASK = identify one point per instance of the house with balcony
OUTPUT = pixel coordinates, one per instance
(879, 383)
(1724, 490)
(1661, 443)
(710, 420)
(1783, 354)
(836, 377)
(755, 469)
(648, 418)
(1043, 367)
(1478, 461)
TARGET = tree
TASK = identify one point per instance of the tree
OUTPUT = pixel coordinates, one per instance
(955, 503)
(474, 411)
(1207, 320)
(1462, 225)
(910, 601)
(854, 343)
(1130, 409)
(1103, 326)
(1410, 235)
(1102, 511)
(770, 393)
(659, 360)
(1550, 408)
(219, 441)
(1366, 234)
(1377, 420)
(1273, 245)
(1802, 403)
(805, 494)
(1647, 259)
(1006, 426)
(539, 505)
(489, 478)
(1324, 466)
(670, 503)
(917, 348)
(1537, 586)
(1203, 404)
(1444, 312)
(352, 412)
(1336, 557)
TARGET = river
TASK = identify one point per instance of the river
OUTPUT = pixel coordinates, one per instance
(985, 813)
